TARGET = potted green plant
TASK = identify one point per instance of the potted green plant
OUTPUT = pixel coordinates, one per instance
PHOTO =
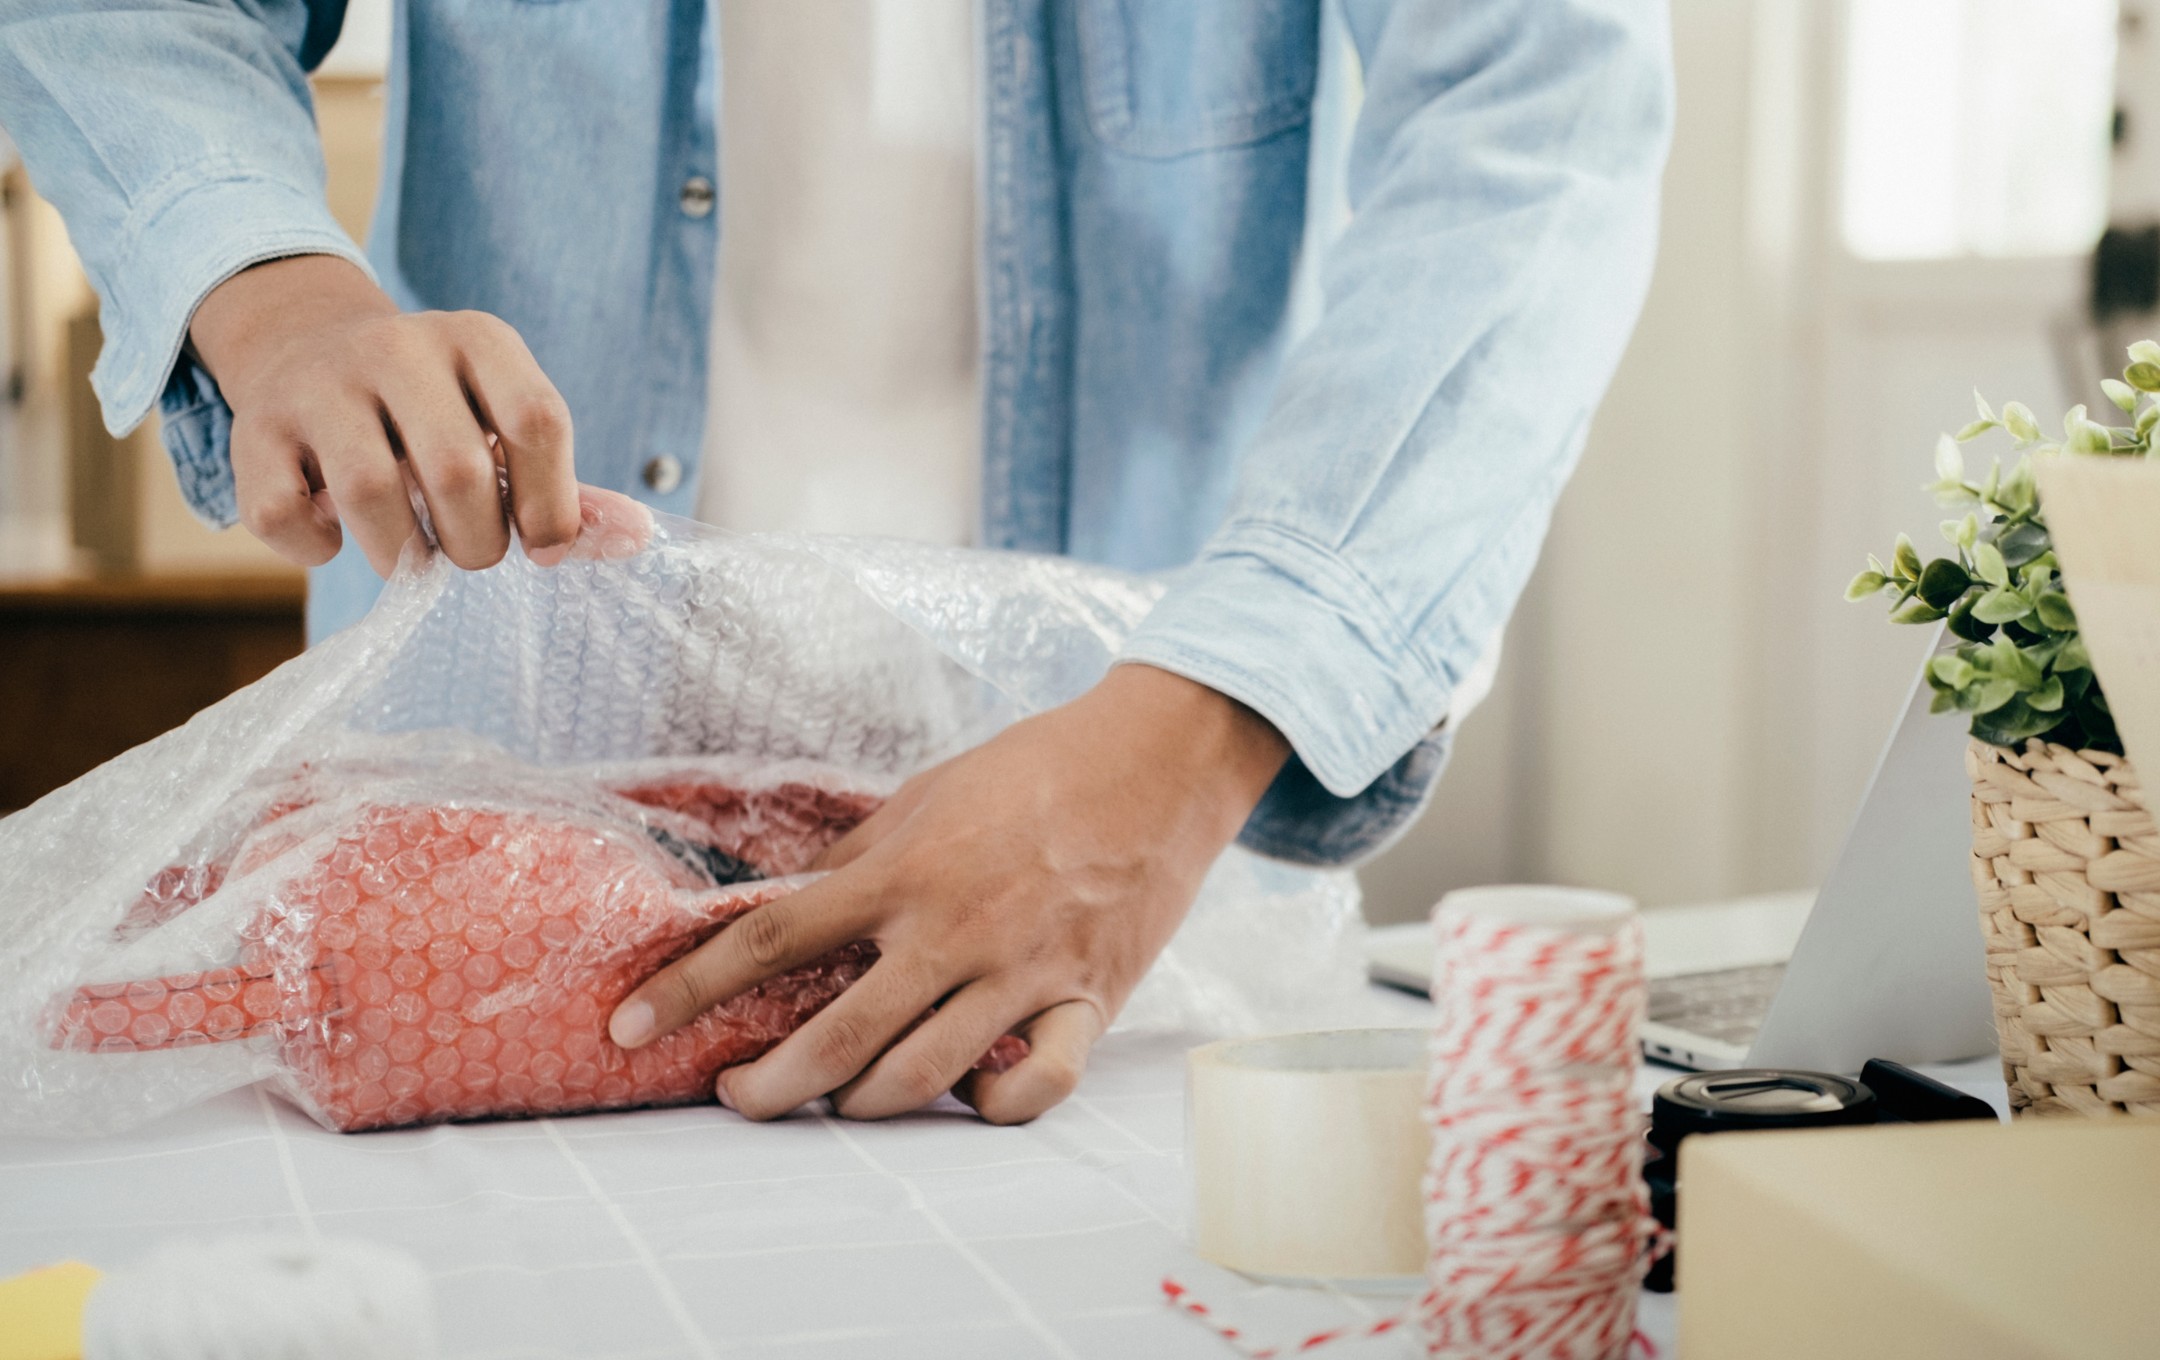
(2062, 834)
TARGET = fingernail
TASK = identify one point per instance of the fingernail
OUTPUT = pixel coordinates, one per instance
(720, 1093)
(631, 1024)
(548, 557)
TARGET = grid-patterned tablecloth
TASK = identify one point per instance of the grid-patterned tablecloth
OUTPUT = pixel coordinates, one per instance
(690, 1232)
(693, 1233)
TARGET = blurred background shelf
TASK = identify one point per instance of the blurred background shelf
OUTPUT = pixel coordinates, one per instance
(237, 594)
(92, 666)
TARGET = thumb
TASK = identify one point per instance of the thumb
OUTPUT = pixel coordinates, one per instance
(610, 525)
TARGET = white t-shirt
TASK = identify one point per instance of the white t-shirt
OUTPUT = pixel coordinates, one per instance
(844, 391)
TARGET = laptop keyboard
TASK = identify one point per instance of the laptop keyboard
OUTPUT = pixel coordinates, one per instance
(1727, 1005)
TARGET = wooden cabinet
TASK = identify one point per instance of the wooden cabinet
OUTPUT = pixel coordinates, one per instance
(89, 668)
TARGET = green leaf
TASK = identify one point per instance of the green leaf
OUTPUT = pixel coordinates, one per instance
(1964, 625)
(1865, 584)
(2005, 659)
(1944, 701)
(2011, 724)
(2147, 418)
(1942, 581)
(2145, 352)
(1974, 430)
(1988, 561)
(1949, 460)
(1905, 561)
(1915, 611)
(2143, 375)
(2043, 654)
(2081, 435)
(2018, 419)
(1980, 405)
(2121, 394)
(2073, 656)
(2054, 611)
(2000, 606)
(1951, 669)
(2048, 698)
(1987, 696)
(2016, 492)
(1994, 478)
(2022, 543)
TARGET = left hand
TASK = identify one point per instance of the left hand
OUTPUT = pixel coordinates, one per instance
(1023, 887)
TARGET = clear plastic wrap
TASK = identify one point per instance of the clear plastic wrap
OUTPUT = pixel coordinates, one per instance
(406, 876)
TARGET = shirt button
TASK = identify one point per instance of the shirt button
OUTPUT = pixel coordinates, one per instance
(663, 474)
(697, 197)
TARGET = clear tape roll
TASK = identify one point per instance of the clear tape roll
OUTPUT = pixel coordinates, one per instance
(1306, 1151)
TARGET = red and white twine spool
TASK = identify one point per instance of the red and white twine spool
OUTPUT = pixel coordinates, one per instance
(1536, 1216)
(1535, 1206)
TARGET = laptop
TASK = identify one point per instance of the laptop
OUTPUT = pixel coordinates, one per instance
(1884, 962)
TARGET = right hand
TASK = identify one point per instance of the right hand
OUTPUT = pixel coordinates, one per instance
(338, 399)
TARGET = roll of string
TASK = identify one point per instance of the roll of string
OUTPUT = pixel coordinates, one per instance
(1536, 1215)
(1535, 1206)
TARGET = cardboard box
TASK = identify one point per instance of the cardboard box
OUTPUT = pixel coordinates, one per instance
(1957, 1241)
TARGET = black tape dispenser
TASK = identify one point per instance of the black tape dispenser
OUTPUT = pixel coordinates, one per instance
(1759, 1098)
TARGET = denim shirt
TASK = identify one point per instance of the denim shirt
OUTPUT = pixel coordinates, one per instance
(1330, 373)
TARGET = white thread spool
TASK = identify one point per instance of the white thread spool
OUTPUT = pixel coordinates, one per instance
(263, 1298)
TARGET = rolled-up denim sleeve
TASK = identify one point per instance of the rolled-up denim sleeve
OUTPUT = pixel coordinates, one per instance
(1504, 179)
(177, 139)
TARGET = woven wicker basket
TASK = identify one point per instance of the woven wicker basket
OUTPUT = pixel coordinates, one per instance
(2066, 858)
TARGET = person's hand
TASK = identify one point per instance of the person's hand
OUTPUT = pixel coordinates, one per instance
(1023, 887)
(339, 400)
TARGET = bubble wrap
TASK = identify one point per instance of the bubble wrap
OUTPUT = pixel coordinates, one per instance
(407, 876)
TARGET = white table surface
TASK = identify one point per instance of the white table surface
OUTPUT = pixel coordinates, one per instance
(691, 1232)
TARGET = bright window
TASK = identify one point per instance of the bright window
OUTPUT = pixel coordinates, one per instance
(1976, 127)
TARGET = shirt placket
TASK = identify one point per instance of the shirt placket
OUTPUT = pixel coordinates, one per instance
(665, 462)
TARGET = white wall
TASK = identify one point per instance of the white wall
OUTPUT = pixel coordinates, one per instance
(1689, 709)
